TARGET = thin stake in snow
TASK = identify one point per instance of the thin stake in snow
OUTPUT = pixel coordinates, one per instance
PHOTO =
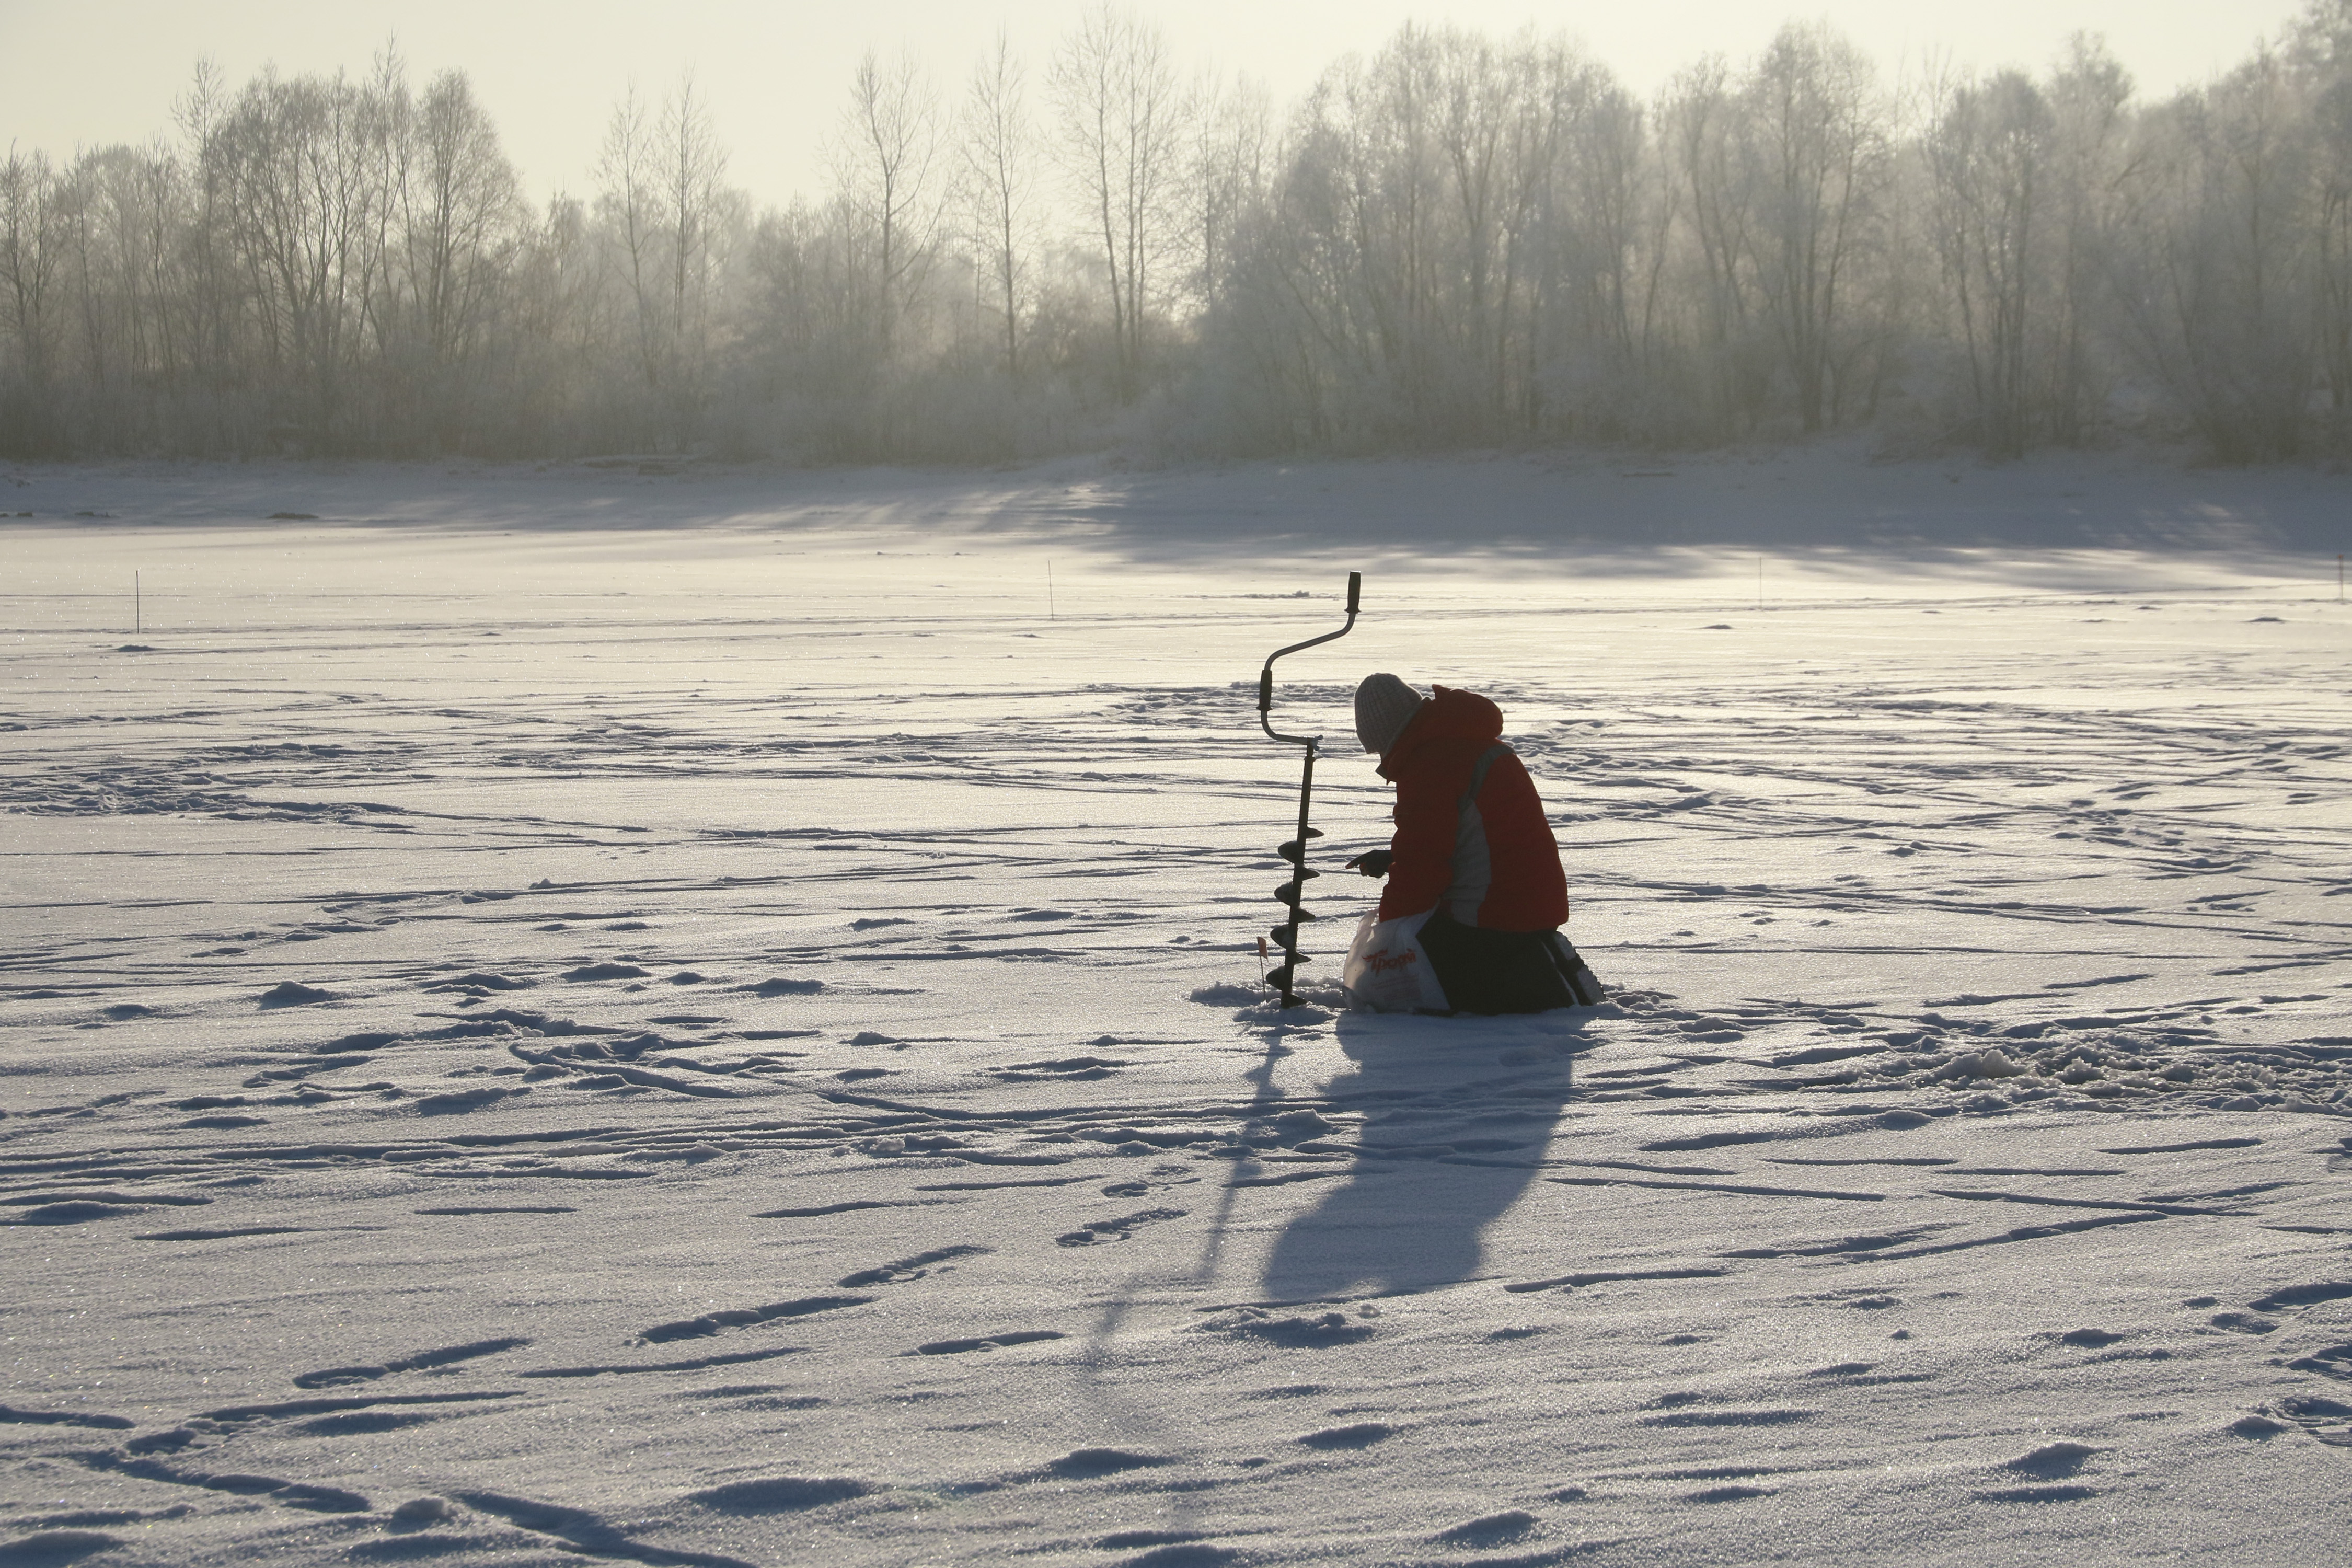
(1286, 933)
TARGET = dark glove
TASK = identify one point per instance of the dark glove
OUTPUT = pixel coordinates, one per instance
(1373, 863)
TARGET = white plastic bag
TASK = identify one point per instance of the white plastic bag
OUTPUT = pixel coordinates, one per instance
(1387, 970)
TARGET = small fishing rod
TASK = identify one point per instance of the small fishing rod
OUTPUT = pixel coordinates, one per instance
(1294, 851)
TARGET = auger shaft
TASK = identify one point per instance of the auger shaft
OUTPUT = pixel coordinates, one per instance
(1294, 891)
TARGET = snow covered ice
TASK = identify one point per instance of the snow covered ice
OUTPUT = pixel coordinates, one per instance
(560, 1017)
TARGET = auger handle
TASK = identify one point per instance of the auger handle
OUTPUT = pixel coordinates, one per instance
(1265, 676)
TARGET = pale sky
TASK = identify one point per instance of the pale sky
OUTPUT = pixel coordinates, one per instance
(78, 73)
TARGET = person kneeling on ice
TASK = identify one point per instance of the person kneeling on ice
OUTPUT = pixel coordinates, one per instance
(1470, 919)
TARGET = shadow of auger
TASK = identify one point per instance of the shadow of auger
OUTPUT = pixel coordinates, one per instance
(1266, 1095)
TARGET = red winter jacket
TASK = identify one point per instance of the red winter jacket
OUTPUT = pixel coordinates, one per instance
(1470, 829)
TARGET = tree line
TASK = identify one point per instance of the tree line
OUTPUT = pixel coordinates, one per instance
(1456, 241)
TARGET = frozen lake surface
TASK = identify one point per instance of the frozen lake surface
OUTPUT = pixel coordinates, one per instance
(700, 1019)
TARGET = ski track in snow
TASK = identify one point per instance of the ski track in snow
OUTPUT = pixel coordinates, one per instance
(741, 1044)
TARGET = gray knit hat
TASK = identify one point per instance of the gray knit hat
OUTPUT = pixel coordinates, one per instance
(1385, 706)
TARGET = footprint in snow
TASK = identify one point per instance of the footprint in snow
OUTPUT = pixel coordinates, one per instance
(1085, 1464)
(462, 1101)
(745, 1317)
(1189, 1555)
(989, 1342)
(479, 982)
(780, 1494)
(1493, 1530)
(1361, 1435)
(1060, 1069)
(907, 1268)
(1844, 1369)
(1296, 1332)
(343, 1376)
(2052, 1461)
(2303, 1296)
(849, 1206)
(1708, 1140)
(2335, 1362)
(2328, 1420)
(225, 1234)
(1119, 1229)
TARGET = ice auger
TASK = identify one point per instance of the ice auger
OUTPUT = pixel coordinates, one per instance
(1294, 851)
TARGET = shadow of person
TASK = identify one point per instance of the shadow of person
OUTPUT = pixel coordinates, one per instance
(1456, 1115)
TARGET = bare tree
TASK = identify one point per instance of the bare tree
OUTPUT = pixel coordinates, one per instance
(1123, 113)
(999, 187)
(886, 168)
(1820, 154)
(667, 210)
(210, 300)
(2220, 298)
(116, 207)
(1232, 154)
(1707, 132)
(629, 199)
(30, 246)
(304, 196)
(2089, 97)
(693, 167)
(1987, 152)
(1583, 164)
(1474, 122)
(460, 207)
(461, 228)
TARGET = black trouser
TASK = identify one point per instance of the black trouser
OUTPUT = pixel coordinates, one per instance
(1506, 971)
